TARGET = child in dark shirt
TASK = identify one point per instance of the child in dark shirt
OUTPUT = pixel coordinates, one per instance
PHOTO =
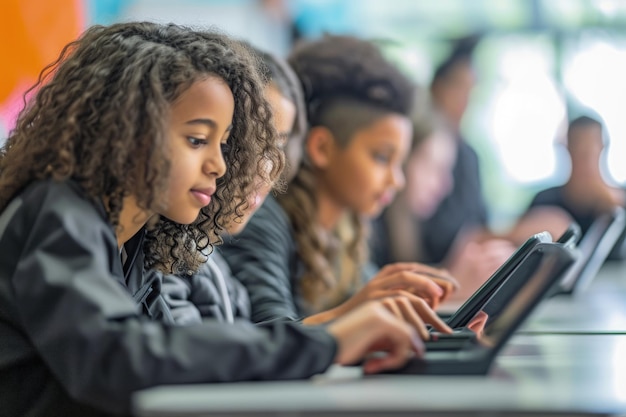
(303, 253)
(128, 159)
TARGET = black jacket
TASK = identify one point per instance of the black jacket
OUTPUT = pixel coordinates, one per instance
(212, 292)
(463, 208)
(556, 197)
(264, 258)
(74, 340)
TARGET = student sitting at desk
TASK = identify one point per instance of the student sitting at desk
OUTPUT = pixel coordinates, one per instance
(289, 254)
(118, 165)
(457, 235)
(428, 171)
(586, 194)
(213, 291)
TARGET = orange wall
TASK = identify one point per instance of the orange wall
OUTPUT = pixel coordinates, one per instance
(32, 34)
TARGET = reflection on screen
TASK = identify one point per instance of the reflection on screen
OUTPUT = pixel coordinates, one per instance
(490, 330)
(586, 246)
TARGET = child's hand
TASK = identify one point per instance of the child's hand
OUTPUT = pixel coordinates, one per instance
(432, 284)
(372, 328)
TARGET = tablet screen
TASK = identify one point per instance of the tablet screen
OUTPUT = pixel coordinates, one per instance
(467, 311)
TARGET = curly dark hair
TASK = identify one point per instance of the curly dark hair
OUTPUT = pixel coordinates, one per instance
(109, 93)
(348, 84)
(276, 72)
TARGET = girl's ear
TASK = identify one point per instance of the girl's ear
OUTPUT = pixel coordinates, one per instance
(320, 146)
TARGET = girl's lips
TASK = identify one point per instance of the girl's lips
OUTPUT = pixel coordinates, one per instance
(386, 199)
(203, 197)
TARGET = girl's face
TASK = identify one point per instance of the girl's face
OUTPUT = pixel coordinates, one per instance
(365, 175)
(284, 112)
(429, 173)
(199, 125)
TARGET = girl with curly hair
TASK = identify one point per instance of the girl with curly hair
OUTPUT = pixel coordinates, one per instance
(213, 291)
(129, 158)
(302, 256)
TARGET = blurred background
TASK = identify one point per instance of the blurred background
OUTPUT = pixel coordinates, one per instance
(538, 64)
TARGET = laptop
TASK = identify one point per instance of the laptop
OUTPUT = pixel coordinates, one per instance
(541, 269)
(570, 236)
(461, 317)
(594, 247)
(492, 307)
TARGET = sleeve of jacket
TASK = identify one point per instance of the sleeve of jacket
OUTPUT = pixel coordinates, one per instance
(89, 332)
(196, 297)
(238, 294)
(260, 257)
(176, 292)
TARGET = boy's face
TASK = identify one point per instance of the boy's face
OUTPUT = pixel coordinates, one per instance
(200, 121)
(365, 175)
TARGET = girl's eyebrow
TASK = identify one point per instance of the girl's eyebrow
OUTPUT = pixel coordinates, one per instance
(388, 147)
(207, 122)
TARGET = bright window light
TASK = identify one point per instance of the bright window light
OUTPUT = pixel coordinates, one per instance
(595, 77)
(527, 112)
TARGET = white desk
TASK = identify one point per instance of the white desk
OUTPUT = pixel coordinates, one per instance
(600, 309)
(536, 374)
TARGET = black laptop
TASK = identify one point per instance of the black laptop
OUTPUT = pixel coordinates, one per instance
(594, 248)
(476, 301)
(571, 235)
(491, 308)
(539, 271)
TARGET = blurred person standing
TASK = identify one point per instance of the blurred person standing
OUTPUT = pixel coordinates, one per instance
(457, 235)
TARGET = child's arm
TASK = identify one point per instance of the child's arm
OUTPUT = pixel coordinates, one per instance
(177, 292)
(261, 258)
(84, 325)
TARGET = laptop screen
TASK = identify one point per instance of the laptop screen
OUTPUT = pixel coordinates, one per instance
(594, 248)
(543, 267)
(477, 301)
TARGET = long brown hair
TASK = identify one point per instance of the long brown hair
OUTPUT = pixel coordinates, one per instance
(99, 118)
(348, 85)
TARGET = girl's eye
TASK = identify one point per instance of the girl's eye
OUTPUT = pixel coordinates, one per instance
(195, 142)
(383, 159)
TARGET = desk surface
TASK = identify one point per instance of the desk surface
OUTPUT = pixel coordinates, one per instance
(600, 309)
(563, 374)
(536, 374)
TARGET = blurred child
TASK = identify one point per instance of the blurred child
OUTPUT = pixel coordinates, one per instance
(289, 255)
(586, 194)
(396, 233)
